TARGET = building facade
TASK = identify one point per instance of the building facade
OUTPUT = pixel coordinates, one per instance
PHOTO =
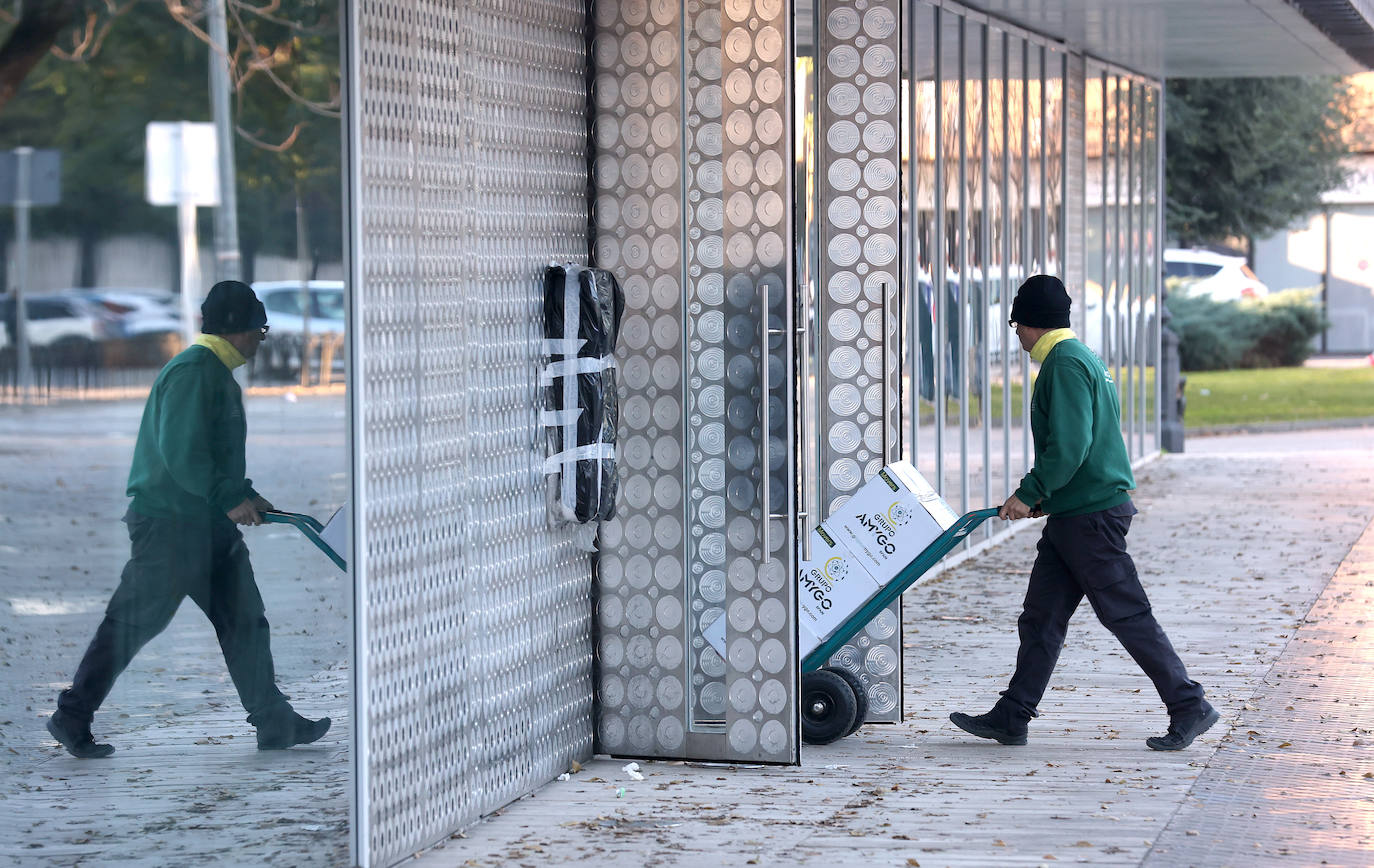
(818, 211)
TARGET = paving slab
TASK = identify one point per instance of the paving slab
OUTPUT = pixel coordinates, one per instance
(1235, 544)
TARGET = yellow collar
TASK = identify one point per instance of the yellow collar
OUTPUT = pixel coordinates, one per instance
(225, 351)
(1047, 342)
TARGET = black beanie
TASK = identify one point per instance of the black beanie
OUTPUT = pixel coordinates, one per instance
(1041, 303)
(231, 307)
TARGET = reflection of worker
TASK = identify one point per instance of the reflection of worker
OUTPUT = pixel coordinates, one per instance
(189, 490)
(1082, 481)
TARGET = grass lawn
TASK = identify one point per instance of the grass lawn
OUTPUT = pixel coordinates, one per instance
(1278, 395)
(952, 406)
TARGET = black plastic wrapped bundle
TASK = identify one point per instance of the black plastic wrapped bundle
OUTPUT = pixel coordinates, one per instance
(582, 310)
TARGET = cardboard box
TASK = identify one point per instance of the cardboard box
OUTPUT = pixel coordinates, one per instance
(891, 520)
(830, 587)
(859, 550)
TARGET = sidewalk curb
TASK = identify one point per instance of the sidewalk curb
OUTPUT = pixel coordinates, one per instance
(1273, 427)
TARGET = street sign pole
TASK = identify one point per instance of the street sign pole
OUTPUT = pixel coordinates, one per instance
(22, 200)
(190, 268)
(228, 264)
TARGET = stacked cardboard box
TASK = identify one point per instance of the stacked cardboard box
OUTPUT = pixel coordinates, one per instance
(857, 551)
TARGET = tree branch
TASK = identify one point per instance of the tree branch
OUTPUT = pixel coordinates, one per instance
(284, 145)
(40, 23)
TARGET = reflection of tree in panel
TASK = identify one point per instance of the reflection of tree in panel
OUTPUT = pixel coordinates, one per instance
(923, 152)
(973, 178)
(950, 124)
(1054, 155)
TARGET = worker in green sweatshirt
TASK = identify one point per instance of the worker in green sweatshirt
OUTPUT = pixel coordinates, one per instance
(1082, 480)
(189, 492)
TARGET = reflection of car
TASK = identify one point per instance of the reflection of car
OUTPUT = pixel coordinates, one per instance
(992, 296)
(62, 330)
(1123, 327)
(1215, 275)
(1120, 327)
(146, 326)
(138, 311)
(281, 353)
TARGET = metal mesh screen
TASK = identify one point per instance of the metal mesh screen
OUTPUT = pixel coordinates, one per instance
(693, 199)
(467, 176)
(859, 106)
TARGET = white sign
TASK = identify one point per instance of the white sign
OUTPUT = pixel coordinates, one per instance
(181, 166)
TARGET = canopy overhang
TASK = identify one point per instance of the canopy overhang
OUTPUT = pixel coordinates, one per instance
(1207, 38)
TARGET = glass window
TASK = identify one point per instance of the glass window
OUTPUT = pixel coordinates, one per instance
(328, 303)
(283, 301)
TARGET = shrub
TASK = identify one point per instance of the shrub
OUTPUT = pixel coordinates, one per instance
(1210, 333)
(1275, 331)
(1283, 330)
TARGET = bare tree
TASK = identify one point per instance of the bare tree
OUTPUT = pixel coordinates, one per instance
(74, 30)
(35, 32)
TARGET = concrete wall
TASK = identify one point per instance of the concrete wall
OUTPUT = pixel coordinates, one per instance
(1296, 258)
(137, 262)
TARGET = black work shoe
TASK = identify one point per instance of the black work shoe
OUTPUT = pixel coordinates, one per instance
(1182, 732)
(291, 729)
(990, 725)
(76, 737)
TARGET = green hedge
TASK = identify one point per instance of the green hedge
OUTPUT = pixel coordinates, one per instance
(1271, 332)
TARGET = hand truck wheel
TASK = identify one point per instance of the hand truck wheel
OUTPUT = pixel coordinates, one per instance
(857, 685)
(828, 706)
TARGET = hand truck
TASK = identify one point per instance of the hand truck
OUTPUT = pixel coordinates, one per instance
(307, 525)
(834, 701)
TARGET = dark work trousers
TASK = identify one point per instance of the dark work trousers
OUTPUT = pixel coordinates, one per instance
(203, 558)
(1085, 555)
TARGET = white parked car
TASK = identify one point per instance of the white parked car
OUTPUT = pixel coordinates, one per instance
(281, 353)
(146, 325)
(137, 311)
(62, 330)
(1214, 275)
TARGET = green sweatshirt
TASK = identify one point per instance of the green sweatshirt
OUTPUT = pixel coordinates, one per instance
(1081, 463)
(189, 458)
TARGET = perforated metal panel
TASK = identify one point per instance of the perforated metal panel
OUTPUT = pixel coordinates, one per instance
(859, 107)
(467, 175)
(692, 214)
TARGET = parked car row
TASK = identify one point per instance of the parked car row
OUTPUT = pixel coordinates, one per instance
(93, 327)
(282, 353)
(121, 327)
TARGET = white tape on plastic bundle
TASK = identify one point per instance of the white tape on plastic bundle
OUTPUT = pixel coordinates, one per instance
(559, 418)
(572, 315)
(563, 347)
(568, 458)
(571, 368)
